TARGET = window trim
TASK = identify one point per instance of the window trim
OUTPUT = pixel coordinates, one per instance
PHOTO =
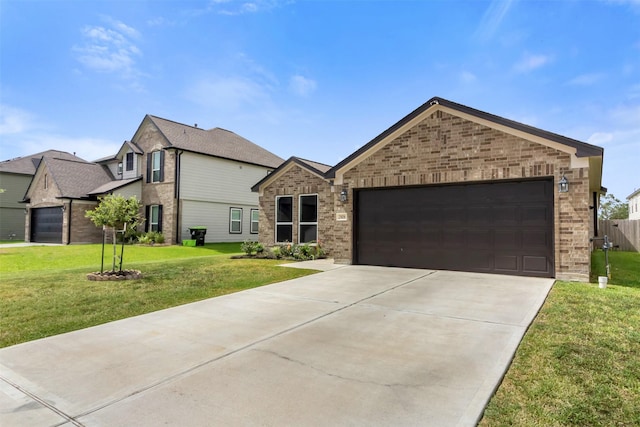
(257, 222)
(153, 169)
(301, 223)
(231, 220)
(129, 158)
(158, 224)
(277, 223)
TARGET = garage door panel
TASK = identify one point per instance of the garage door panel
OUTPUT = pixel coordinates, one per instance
(490, 227)
(480, 215)
(453, 216)
(46, 225)
(508, 238)
(535, 264)
(506, 263)
(479, 239)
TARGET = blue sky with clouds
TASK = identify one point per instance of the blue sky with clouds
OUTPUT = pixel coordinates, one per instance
(316, 79)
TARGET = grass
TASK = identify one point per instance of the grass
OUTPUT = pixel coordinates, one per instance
(579, 363)
(44, 290)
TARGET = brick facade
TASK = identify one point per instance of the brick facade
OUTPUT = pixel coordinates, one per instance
(150, 139)
(443, 148)
(294, 182)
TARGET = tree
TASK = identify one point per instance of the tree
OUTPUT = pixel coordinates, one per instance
(118, 214)
(613, 208)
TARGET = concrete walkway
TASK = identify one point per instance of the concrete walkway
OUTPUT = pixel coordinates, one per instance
(355, 345)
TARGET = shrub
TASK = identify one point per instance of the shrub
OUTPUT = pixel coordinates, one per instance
(151, 237)
(248, 247)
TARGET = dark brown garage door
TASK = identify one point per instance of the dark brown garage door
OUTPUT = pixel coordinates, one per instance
(46, 225)
(502, 227)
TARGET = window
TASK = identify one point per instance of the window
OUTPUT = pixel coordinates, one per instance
(155, 166)
(235, 220)
(284, 219)
(120, 168)
(308, 219)
(129, 161)
(154, 218)
(255, 216)
(46, 181)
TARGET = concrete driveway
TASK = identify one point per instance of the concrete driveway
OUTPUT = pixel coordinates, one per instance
(356, 345)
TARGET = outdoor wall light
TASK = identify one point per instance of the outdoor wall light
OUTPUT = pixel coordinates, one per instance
(563, 185)
(344, 195)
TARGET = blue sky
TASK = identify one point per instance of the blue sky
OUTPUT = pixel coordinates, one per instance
(316, 79)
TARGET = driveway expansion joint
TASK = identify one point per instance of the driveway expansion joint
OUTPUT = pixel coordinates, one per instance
(329, 374)
(43, 402)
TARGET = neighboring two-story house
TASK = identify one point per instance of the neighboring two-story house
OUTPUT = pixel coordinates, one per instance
(183, 175)
(634, 205)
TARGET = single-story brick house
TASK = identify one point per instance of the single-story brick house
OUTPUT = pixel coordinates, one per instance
(447, 187)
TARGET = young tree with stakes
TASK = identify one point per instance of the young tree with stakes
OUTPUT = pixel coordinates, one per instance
(118, 214)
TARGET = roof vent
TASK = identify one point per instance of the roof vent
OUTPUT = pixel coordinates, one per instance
(195, 125)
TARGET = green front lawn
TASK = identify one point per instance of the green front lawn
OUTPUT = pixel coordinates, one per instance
(579, 363)
(44, 290)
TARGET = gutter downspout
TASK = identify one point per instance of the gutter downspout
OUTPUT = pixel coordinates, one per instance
(177, 194)
(69, 223)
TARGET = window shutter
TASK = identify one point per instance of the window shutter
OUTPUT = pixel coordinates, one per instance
(149, 161)
(147, 212)
(160, 218)
(161, 165)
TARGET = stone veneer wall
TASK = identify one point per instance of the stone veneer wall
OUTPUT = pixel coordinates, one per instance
(295, 182)
(447, 149)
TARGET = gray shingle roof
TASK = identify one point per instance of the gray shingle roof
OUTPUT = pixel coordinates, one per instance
(27, 165)
(76, 179)
(110, 186)
(215, 142)
(315, 167)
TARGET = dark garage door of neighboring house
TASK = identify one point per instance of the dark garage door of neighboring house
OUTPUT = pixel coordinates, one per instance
(46, 225)
(504, 227)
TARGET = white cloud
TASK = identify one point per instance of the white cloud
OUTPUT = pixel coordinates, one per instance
(467, 77)
(109, 49)
(301, 85)
(14, 120)
(600, 138)
(238, 7)
(492, 18)
(530, 62)
(586, 79)
(227, 93)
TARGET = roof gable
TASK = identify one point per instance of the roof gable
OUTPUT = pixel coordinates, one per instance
(214, 142)
(27, 165)
(75, 179)
(572, 146)
(315, 168)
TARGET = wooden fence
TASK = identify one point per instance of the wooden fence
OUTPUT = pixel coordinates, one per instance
(622, 232)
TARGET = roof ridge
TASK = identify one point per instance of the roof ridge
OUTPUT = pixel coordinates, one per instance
(313, 161)
(175, 122)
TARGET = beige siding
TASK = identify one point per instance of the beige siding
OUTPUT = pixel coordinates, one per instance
(133, 189)
(215, 216)
(136, 166)
(205, 178)
(113, 168)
